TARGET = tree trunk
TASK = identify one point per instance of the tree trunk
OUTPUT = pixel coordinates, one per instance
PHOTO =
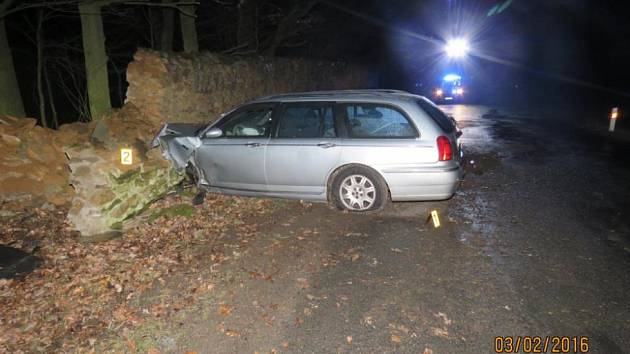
(246, 31)
(168, 24)
(10, 98)
(150, 21)
(40, 66)
(51, 100)
(189, 29)
(95, 59)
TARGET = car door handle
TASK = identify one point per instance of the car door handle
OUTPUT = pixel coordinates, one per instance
(252, 144)
(326, 145)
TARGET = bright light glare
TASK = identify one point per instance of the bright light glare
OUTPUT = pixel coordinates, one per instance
(456, 48)
(459, 91)
(439, 92)
(451, 77)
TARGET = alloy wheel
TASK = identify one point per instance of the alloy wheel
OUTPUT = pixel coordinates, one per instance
(357, 192)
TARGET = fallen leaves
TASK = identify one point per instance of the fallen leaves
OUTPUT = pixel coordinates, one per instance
(368, 321)
(303, 283)
(232, 333)
(443, 316)
(397, 331)
(439, 332)
(84, 290)
(225, 310)
(402, 328)
(256, 275)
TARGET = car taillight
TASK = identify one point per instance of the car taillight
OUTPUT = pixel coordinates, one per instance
(445, 151)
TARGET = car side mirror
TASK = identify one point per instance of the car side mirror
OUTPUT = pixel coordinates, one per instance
(213, 133)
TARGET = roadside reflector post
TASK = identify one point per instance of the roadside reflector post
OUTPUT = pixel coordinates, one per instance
(614, 114)
(126, 156)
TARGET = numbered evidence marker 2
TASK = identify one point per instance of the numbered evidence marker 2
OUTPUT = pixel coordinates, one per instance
(126, 156)
(436, 218)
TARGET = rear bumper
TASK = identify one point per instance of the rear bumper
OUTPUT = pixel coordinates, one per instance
(423, 184)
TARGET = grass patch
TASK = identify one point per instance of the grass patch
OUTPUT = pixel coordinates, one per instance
(185, 210)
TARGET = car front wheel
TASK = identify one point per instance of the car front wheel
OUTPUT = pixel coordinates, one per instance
(359, 189)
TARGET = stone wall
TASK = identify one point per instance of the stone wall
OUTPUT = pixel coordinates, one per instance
(33, 168)
(171, 87)
(39, 165)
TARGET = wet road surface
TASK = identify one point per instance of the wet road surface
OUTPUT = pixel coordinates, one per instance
(535, 243)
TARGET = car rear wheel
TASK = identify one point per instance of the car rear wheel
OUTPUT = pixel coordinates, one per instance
(359, 189)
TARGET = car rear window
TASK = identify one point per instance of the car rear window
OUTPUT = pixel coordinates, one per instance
(444, 121)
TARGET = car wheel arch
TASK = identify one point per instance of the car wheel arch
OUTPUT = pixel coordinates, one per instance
(335, 172)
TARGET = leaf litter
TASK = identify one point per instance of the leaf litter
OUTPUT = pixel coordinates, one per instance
(84, 292)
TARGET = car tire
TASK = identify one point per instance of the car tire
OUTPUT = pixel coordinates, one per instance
(364, 190)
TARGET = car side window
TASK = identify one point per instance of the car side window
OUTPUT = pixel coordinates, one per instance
(254, 121)
(368, 120)
(308, 120)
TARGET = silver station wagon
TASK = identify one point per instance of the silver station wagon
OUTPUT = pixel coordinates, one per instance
(358, 149)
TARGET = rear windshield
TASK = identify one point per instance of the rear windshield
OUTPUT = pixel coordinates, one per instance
(446, 123)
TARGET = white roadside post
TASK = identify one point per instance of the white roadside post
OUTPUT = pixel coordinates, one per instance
(613, 119)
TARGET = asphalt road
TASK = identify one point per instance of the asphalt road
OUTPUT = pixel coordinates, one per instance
(535, 243)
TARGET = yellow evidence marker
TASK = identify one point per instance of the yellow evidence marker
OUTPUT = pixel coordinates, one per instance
(126, 156)
(436, 218)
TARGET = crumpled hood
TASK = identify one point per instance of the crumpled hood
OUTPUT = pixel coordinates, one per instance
(178, 129)
(178, 141)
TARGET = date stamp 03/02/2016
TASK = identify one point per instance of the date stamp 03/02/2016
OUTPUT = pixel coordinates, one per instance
(540, 344)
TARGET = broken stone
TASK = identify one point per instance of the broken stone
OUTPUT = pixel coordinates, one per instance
(33, 168)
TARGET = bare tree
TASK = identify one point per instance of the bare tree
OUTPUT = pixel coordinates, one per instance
(189, 30)
(246, 32)
(290, 27)
(51, 100)
(168, 28)
(71, 79)
(94, 50)
(95, 57)
(10, 98)
(40, 68)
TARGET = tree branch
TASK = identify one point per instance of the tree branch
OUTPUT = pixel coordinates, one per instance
(5, 6)
(175, 6)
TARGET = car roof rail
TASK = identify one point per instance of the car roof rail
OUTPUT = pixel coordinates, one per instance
(378, 92)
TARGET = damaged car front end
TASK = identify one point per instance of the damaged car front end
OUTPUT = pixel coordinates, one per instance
(178, 141)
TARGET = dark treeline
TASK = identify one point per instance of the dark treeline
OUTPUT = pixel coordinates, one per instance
(65, 60)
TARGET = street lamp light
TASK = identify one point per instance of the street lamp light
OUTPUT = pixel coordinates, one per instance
(456, 48)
